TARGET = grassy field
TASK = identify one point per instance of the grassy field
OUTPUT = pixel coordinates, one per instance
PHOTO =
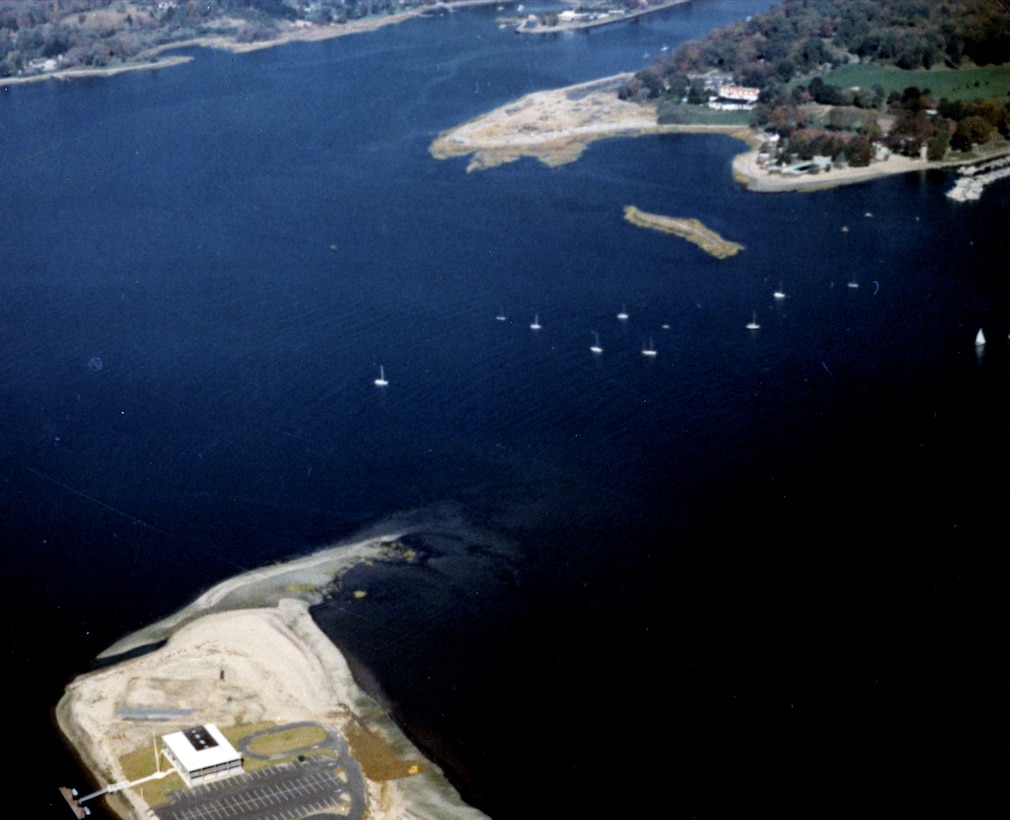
(288, 740)
(963, 84)
(702, 115)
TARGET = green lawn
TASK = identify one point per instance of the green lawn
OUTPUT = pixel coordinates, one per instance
(702, 115)
(962, 84)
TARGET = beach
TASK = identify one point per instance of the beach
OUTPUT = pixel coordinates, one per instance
(247, 653)
(556, 126)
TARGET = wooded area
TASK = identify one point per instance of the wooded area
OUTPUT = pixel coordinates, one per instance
(38, 36)
(787, 52)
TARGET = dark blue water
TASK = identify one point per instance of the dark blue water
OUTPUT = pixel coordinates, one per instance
(756, 570)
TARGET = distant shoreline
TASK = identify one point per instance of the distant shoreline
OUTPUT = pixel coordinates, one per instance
(588, 24)
(308, 32)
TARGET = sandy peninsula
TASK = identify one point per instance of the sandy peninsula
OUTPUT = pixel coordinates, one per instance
(248, 654)
(556, 126)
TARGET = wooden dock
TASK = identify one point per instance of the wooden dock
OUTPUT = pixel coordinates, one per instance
(70, 795)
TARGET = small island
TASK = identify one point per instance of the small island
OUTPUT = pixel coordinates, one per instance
(690, 229)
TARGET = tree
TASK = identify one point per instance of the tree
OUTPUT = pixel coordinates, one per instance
(859, 152)
(970, 131)
(936, 148)
(785, 69)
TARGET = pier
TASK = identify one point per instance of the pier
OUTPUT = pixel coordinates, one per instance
(70, 795)
(77, 803)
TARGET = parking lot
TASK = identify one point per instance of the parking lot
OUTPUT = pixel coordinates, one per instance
(314, 787)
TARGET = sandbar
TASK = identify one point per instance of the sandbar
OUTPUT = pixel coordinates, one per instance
(247, 653)
(690, 229)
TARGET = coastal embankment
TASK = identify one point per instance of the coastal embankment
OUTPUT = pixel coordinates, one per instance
(248, 654)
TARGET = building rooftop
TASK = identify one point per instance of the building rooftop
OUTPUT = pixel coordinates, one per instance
(200, 747)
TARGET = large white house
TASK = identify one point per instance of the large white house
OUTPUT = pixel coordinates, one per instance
(739, 93)
(201, 754)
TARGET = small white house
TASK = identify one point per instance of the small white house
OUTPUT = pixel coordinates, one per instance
(201, 754)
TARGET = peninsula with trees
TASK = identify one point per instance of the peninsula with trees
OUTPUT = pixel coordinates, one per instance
(849, 80)
(63, 38)
(823, 92)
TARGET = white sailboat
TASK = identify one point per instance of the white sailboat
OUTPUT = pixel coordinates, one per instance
(753, 323)
(623, 315)
(536, 322)
(595, 348)
(501, 315)
(381, 381)
(853, 283)
(649, 349)
(779, 294)
(979, 338)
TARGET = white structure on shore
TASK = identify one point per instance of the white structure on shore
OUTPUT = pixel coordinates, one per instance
(739, 93)
(201, 754)
(734, 98)
(974, 178)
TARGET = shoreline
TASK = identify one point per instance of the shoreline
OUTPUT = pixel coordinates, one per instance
(247, 653)
(582, 25)
(309, 32)
(556, 126)
(691, 230)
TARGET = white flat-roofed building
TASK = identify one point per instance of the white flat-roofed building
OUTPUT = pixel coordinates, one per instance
(201, 754)
(739, 93)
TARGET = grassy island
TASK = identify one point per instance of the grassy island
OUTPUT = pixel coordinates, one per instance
(690, 229)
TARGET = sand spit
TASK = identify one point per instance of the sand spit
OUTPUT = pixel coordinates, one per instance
(690, 229)
(552, 126)
(247, 653)
(556, 126)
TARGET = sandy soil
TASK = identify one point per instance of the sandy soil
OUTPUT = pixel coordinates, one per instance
(252, 665)
(552, 126)
(752, 176)
(555, 127)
